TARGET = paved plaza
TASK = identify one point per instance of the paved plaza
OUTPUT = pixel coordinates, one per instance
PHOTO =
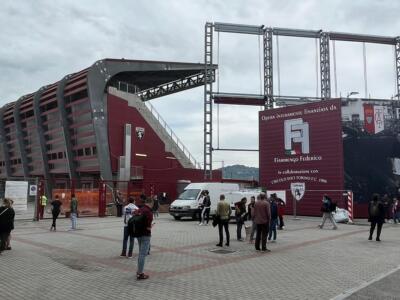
(305, 263)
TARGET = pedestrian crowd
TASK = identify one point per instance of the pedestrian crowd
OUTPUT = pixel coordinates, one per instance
(263, 217)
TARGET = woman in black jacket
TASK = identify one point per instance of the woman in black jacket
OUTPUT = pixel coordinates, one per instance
(7, 215)
(376, 212)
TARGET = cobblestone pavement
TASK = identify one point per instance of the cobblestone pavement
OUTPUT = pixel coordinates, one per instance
(304, 263)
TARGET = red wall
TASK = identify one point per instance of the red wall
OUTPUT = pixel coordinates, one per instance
(323, 174)
(159, 173)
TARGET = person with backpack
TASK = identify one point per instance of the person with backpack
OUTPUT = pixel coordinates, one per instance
(205, 213)
(240, 216)
(274, 217)
(139, 226)
(376, 212)
(327, 208)
(7, 215)
(127, 212)
(55, 211)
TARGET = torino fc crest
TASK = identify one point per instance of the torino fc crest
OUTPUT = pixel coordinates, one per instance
(298, 189)
(140, 132)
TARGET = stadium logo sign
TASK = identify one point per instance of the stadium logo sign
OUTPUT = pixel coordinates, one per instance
(296, 131)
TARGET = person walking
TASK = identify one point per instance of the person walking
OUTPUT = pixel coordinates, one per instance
(240, 215)
(274, 217)
(327, 208)
(376, 212)
(205, 214)
(74, 211)
(7, 215)
(250, 216)
(127, 213)
(55, 211)
(281, 212)
(262, 217)
(143, 235)
(396, 211)
(42, 206)
(224, 213)
(156, 206)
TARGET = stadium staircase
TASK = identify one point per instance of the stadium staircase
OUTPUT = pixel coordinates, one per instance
(172, 143)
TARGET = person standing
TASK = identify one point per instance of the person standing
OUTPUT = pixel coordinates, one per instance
(250, 215)
(274, 217)
(281, 213)
(376, 212)
(74, 211)
(205, 214)
(200, 206)
(144, 234)
(42, 207)
(223, 212)
(55, 211)
(156, 206)
(240, 214)
(327, 208)
(127, 212)
(262, 217)
(119, 200)
(7, 215)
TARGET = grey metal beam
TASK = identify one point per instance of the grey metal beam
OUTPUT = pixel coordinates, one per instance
(65, 127)
(325, 66)
(397, 57)
(268, 69)
(3, 141)
(297, 32)
(20, 137)
(238, 28)
(351, 37)
(208, 100)
(42, 139)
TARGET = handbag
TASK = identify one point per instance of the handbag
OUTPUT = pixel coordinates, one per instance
(216, 220)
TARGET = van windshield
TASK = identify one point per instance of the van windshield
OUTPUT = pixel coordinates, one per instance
(189, 195)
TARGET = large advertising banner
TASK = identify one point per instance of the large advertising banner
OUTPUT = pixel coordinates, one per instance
(301, 152)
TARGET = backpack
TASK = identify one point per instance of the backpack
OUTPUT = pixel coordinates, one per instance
(333, 207)
(137, 225)
(326, 205)
(374, 209)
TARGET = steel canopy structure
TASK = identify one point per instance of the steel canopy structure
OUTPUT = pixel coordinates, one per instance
(267, 99)
(61, 130)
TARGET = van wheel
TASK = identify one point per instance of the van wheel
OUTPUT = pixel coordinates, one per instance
(177, 218)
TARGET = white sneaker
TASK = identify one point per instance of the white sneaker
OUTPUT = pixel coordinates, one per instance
(200, 224)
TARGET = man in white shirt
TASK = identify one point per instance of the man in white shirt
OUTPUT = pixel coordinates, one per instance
(127, 213)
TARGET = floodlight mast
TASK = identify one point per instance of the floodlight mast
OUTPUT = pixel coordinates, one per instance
(269, 98)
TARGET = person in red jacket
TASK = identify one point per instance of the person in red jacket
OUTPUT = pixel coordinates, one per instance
(281, 213)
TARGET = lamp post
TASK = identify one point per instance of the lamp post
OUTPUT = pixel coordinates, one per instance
(352, 94)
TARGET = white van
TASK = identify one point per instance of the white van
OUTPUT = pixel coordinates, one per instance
(187, 203)
(236, 196)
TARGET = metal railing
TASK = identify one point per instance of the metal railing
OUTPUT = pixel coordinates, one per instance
(132, 89)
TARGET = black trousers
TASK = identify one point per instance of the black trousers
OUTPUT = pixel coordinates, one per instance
(3, 240)
(281, 223)
(239, 225)
(378, 230)
(224, 224)
(261, 236)
(55, 216)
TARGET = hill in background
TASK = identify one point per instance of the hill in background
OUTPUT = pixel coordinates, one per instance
(240, 172)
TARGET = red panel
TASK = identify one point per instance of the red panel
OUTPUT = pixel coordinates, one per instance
(160, 173)
(321, 169)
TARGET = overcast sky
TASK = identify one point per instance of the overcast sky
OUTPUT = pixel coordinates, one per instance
(41, 41)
